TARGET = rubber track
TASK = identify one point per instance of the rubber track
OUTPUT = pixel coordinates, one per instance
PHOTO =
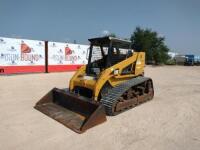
(119, 90)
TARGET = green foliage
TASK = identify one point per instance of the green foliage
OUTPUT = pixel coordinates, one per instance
(170, 62)
(148, 41)
(112, 35)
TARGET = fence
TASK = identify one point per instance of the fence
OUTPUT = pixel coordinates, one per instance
(29, 56)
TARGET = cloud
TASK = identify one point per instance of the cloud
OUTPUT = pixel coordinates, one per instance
(161, 35)
(105, 32)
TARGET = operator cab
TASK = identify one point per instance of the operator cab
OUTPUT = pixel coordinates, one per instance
(105, 52)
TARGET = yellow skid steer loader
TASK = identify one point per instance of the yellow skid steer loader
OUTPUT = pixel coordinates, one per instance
(113, 81)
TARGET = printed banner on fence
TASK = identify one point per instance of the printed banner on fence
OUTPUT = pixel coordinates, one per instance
(65, 56)
(21, 53)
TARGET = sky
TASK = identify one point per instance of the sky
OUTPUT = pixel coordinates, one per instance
(68, 20)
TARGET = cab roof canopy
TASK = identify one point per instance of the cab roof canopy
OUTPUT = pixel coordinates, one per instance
(116, 42)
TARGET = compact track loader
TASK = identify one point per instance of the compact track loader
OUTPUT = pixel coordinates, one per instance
(113, 81)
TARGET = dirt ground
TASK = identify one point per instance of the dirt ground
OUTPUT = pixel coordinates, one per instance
(169, 122)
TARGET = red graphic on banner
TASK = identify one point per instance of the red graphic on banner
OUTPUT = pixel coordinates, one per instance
(25, 48)
(68, 51)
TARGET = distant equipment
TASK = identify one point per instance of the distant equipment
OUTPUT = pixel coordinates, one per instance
(180, 59)
(189, 60)
(197, 60)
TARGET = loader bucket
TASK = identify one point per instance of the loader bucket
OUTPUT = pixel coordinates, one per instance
(75, 112)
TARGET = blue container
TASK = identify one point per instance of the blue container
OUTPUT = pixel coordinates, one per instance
(189, 60)
(197, 60)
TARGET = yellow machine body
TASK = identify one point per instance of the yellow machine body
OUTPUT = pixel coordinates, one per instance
(107, 85)
(111, 74)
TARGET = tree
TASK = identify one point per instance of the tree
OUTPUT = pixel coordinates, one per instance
(112, 35)
(148, 41)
